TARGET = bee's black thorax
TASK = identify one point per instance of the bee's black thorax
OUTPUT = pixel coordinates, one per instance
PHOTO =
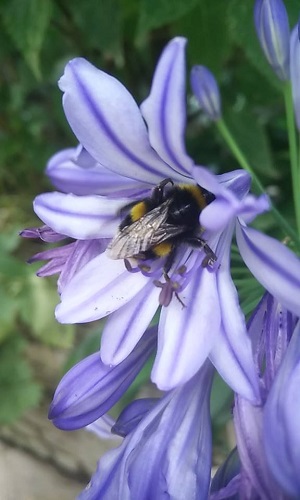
(187, 202)
(157, 225)
(184, 209)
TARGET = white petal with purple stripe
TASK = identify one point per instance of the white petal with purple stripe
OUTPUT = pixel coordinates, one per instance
(80, 217)
(108, 123)
(99, 288)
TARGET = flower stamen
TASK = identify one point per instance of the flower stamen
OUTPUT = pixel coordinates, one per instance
(167, 290)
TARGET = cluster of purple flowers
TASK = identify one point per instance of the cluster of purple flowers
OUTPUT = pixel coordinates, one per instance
(124, 152)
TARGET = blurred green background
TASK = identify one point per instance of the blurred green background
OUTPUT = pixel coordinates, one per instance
(125, 38)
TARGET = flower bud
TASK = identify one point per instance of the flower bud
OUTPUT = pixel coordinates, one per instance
(272, 27)
(206, 90)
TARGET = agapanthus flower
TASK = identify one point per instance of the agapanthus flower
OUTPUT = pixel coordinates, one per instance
(166, 452)
(268, 435)
(272, 27)
(111, 130)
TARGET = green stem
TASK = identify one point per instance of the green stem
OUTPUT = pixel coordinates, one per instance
(290, 121)
(244, 283)
(239, 155)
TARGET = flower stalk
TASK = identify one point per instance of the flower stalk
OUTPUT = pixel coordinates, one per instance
(241, 158)
(292, 137)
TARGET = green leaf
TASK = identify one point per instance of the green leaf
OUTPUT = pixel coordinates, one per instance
(37, 305)
(18, 391)
(252, 139)
(292, 7)
(156, 13)
(136, 388)
(249, 289)
(100, 23)
(10, 239)
(220, 401)
(89, 345)
(207, 33)
(11, 267)
(26, 21)
(9, 310)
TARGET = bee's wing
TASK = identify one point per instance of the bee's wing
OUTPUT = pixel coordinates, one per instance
(143, 234)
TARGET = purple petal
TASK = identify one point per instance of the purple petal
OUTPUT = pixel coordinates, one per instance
(57, 256)
(91, 388)
(164, 457)
(131, 416)
(238, 181)
(281, 421)
(102, 286)
(206, 179)
(187, 334)
(217, 215)
(62, 156)
(230, 491)
(270, 328)
(252, 206)
(80, 217)
(124, 327)
(102, 428)
(295, 72)
(61, 253)
(225, 482)
(165, 108)
(249, 435)
(67, 175)
(232, 352)
(52, 267)
(231, 200)
(108, 123)
(45, 233)
(83, 159)
(272, 264)
(83, 252)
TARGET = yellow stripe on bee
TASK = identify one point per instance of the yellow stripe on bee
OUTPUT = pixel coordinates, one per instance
(138, 211)
(162, 249)
(196, 193)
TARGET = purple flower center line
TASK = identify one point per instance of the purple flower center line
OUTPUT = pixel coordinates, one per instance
(270, 262)
(107, 129)
(127, 328)
(253, 462)
(236, 356)
(209, 99)
(89, 215)
(163, 117)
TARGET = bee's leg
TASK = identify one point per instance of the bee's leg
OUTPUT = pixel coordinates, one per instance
(168, 264)
(169, 261)
(210, 257)
(158, 191)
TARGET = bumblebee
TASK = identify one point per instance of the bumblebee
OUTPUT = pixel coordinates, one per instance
(156, 226)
